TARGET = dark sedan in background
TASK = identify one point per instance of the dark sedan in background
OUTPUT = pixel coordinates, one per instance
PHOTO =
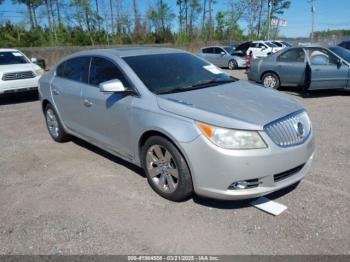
(329, 68)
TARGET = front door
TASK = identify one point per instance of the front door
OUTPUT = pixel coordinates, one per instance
(290, 66)
(326, 71)
(66, 89)
(106, 115)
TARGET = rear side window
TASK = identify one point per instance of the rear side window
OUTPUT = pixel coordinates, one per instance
(207, 50)
(294, 55)
(103, 70)
(75, 69)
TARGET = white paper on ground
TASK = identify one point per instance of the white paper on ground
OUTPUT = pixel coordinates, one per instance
(268, 206)
(212, 69)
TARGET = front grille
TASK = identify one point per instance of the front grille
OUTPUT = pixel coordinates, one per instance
(18, 75)
(290, 130)
(288, 173)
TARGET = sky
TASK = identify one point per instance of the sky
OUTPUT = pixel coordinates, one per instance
(333, 14)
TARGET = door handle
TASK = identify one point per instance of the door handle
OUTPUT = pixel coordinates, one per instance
(87, 103)
(55, 92)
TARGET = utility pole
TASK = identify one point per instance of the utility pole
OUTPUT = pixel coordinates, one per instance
(269, 19)
(313, 19)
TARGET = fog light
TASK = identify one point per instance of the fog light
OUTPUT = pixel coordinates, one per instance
(244, 184)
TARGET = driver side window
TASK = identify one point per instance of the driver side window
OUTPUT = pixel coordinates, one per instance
(294, 55)
(320, 56)
(103, 70)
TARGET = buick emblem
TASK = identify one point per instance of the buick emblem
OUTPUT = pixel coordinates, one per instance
(300, 129)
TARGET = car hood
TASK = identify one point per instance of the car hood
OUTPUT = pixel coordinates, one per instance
(17, 68)
(239, 105)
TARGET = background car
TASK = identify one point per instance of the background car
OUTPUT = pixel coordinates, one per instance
(223, 56)
(17, 72)
(345, 44)
(281, 43)
(257, 48)
(288, 67)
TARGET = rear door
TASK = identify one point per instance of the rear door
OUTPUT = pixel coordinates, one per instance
(66, 87)
(290, 66)
(326, 71)
(106, 116)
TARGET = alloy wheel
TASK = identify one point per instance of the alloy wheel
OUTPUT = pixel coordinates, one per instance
(162, 168)
(52, 123)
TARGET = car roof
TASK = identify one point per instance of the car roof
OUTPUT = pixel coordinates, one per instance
(130, 51)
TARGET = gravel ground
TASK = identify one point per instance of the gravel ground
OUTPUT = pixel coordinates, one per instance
(73, 198)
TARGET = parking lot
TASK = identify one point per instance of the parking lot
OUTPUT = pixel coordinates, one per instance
(74, 198)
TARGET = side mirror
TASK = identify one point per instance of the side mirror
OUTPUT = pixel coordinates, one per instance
(263, 48)
(113, 86)
(223, 53)
(34, 60)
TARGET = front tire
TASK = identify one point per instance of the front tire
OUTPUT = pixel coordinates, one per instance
(271, 80)
(232, 64)
(54, 125)
(166, 170)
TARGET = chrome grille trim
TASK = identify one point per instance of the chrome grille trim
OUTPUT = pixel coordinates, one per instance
(18, 75)
(290, 130)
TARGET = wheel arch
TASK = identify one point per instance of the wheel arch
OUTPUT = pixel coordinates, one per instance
(269, 71)
(149, 133)
(44, 104)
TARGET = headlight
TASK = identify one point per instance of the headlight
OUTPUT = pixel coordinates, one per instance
(39, 71)
(231, 138)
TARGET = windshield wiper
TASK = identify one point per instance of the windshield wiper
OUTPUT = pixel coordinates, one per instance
(198, 85)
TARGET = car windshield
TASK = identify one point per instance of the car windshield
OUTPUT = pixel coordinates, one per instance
(175, 72)
(11, 58)
(277, 44)
(270, 44)
(286, 44)
(342, 52)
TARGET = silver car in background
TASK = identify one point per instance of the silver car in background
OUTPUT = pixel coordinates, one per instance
(193, 128)
(329, 68)
(224, 56)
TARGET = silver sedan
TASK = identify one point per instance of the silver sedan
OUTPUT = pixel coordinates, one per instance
(224, 56)
(190, 126)
(313, 67)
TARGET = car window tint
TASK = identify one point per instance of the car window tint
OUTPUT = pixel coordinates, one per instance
(181, 70)
(320, 56)
(77, 69)
(60, 70)
(217, 50)
(103, 70)
(293, 55)
(11, 58)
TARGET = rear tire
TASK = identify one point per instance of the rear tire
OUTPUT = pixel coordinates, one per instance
(232, 64)
(166, 170)
(271, 80)
(54, 125)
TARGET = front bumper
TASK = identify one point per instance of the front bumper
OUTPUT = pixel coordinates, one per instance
(214, 169)
(19, 85)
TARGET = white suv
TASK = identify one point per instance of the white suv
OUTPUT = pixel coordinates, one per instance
(17, 72)
(258, 48)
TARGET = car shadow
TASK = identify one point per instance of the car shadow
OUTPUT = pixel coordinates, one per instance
(109, 156)
(239, 204)
(18, 98)
(316, 93)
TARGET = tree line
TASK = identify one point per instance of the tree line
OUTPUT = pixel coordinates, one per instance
(104, 22)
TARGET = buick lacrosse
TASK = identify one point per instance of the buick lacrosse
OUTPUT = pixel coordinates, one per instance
(193, 128)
